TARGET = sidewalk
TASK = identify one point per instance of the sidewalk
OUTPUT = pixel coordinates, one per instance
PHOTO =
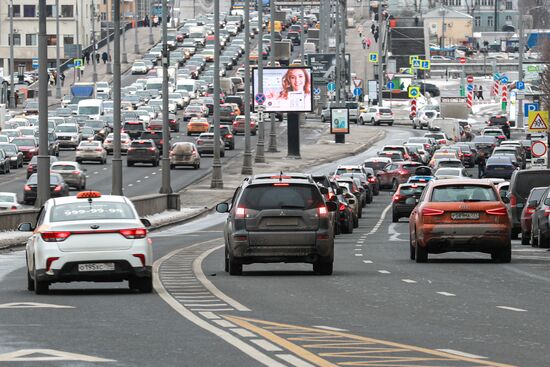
(101, 68)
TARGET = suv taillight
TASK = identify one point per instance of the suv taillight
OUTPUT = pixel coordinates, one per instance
(240, 213)
(513, 201)
(322, 211)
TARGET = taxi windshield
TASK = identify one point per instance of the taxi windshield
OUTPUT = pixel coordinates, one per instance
(84, 210)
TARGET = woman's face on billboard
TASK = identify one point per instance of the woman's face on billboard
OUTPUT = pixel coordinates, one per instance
(297, 79)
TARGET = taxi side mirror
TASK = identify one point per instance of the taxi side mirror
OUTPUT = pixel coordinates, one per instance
(145, 222)
(222, 208)
(25, 227)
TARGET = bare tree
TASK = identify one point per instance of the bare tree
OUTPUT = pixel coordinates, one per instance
(545, 76)
(470, 7)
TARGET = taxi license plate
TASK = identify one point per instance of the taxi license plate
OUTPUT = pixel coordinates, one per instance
(464, 216)
(96, 267)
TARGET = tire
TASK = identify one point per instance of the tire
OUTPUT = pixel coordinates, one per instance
(323, 119)
(502, 256)
(412, 250)
(188, 134)
(534, 240)
(78, 160)
(235, 268)
(390, 123)
(394, 217)
(372, 121)
(130, 164)
(414, 126)
(525, 240)
(376, 189)
(144, 285)
(323, 268)
(350, 226)
(30, 281)
(369, 197)
(544, 241)
(40, 287)
(421, 254)
(394, 185)
(356, 222)
(172, 166)
(515, 234)
(226, 261)
(362, 121)
(222, 154)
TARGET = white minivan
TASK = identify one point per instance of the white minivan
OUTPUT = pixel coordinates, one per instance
(189, 85)
(92, 108)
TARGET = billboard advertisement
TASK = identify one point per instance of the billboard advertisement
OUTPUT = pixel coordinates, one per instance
(339, 120)
(285, 89)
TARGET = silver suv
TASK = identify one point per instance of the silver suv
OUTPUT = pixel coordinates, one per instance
(278, 218)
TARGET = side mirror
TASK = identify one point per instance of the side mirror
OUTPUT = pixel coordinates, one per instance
(331, 206)
(145, 222)
(323, 190)
(505, 200)
(351, 201)
(546, 201)
(25, 227)
(222, 208)
(339, 191)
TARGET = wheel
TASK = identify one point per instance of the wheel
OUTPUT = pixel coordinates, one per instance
(323, 268)
(394, 185)
(39, 286)
(372, 121)
(394, 217)
(30, 281)
(361, 121)
(356, 221)
(390, 123)
(369, 197)
(78, 160)
(323, 119)
(130, 164)
(544, 240)
(421, 128)
(502, 256)
(414, 126)
(421, 254)
(195, 166)
(232, 147)
(188, 134)
(412, 250)
(350, 226)
(377, 188)
(226, 261)
(515, 233)
(235, 268)
(534, 240)
(222, 154)
(172, 166)
(21, 164)
(525, 239)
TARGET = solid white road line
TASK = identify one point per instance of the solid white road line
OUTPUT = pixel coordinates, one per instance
(512, 308)
(329, 328)
(358, 254)
(462, 354)
(265, 345)
(447, 294)
(380, 220)
(197, 268)
(223, 334)
(293, 360)
(409, 281)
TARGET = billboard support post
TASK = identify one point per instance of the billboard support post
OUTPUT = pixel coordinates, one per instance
(293, 135)
(260, 145)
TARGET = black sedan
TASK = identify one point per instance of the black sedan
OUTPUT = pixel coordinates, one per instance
(15, 156)
(58, 188)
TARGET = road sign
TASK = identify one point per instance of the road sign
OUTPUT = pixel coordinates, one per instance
(520, 85)
(316, 97)
(462, 60)
(390, 75)
(414, 92)
(425, 64)
(331, 86)
(527, 107)
(77, 63)
(470, 87)
(504, 79)
(538, 121)
(538, 149)
(357, 82)
(35, 63)
(496, 77)
(260, 98)
(391, 85)
(413, 57)
(416, 64)
(260, 115)
(470, 79)
(316, 90)
(373, 57)
(357, 92)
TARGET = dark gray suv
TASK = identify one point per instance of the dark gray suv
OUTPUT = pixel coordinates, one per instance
(278, 218)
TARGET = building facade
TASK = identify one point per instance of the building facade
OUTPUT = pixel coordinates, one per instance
(447, 27)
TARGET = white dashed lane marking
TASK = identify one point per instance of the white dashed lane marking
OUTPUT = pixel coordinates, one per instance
(384, 272)
(512, 308)
(409, 281)
(367, 261)
(447, 294)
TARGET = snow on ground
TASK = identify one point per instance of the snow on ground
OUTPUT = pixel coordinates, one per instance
(171, 216)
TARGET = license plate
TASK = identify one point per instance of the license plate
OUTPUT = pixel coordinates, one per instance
(499, 168)
(282, 222)
(96, 267)
(464, 216)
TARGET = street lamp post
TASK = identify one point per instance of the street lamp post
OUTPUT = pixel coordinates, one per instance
(43, 190)
(165, 188)
(124, 59)
(136, 44)
(94, 44)
(272, 127)
(108, 66)
(150, 17)
(217, 181)
(57, 69)
(247, 156)
(12, 61)
(260, 152)
(117, 158)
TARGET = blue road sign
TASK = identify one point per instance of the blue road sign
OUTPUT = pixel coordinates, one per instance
(357, 92)
(390, 85)
(317, 91)
(496, 77)
(331, 86)
(504, 79)
(527, 107)
(416, 64)
(520, 85)
(425, 64)
(470, 87)
(35, 63)
(260, 98)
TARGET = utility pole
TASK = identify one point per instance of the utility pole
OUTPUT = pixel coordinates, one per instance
(77, 23)
(136, 44)
(94, 45)
(165, 188)
(57, 69)
(260, 153)
(124, 54)
(247, 157)
(150, 17)
(12, 61)
(302, 34)
(217, 181)
(337, 51)
(521, 47)
(43, 190)
(272, 128)
(117, 159)
(380, 65)
(108, 66)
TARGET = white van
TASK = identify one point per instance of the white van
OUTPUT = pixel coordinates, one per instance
(189, 85)
(92, 108)
(154, 83)
(449, 126)
(309, 48)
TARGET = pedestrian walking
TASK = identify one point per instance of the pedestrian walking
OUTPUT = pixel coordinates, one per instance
(87, 57)
(476, 93)
(104, 57)
(51, 80)
(364, 42)
(481, 164)
(480, 93)
(97, 56)
(368, 42)
(62, 78)
(372, 27)
(376, 37)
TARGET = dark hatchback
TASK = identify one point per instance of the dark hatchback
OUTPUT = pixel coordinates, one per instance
(58, 187)
(143, 151)
(226, 135)
(405, 198)
(133, 128)
(500, 122)
(155, 136)
(499, 167)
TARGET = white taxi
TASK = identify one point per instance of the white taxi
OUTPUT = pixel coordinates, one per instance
(90, 237)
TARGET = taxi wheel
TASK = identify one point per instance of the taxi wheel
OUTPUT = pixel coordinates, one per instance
(421, 254)
(40, 287)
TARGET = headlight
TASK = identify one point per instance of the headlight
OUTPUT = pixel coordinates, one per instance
(74, 137)
(13, 158)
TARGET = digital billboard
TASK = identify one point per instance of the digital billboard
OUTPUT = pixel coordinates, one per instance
(286, 89)
(339, 120)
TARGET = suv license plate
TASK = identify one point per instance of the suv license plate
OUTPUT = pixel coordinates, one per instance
(96, 267)
(464, 216)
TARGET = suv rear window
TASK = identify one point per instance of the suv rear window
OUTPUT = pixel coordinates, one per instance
(462, 193)
(133, 126)
(91, 211)
(141, 144)
(261, 197)
(341, 171)
(525, 181)
(375, 165)
(412, 189)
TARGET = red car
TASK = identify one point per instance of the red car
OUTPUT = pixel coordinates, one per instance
(26, 145)
(526, 214)
(396, 173)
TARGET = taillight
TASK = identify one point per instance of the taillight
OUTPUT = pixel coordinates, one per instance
(529, 210)
(501, 137)
(228, 136)
(397, 197)
(429, 212)
(371, 179)
(134, 233)
(98, 149)
(402, 172)
(513, 201)
(240, 213)
(76, 172)
(200, 142)
(427, 146)
(13, 207)
(27, 188)
(141, 258)
(55, 236)
(49, 262)
(342, 207)
(322, 211)
(58, 188)
(152, 149)
(498, 211)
